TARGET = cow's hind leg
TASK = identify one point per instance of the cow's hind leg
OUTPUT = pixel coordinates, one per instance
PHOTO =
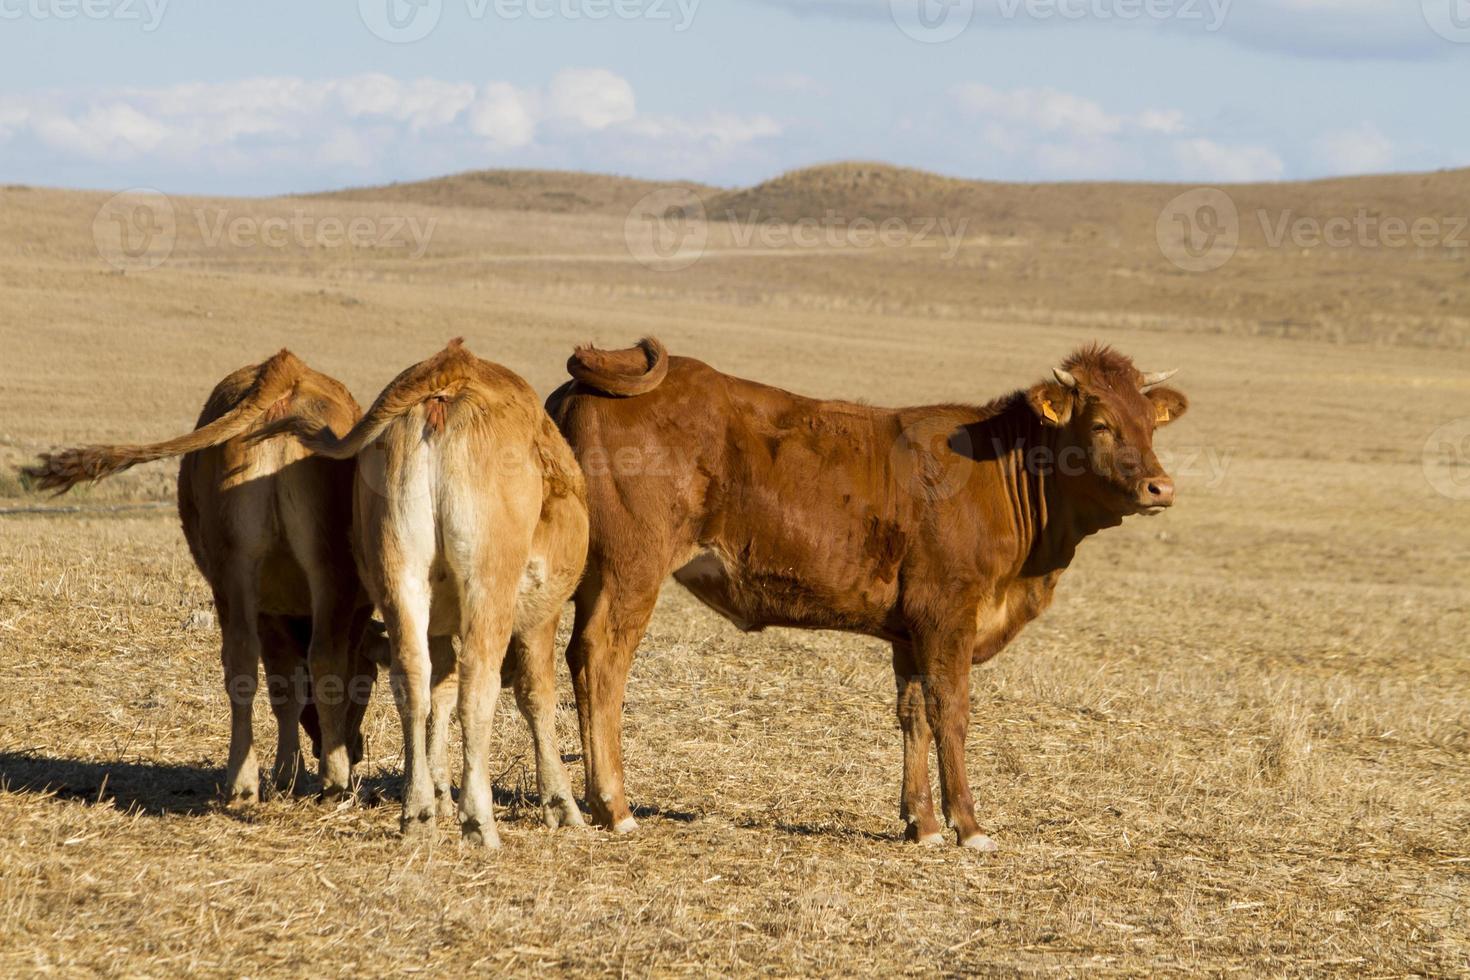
(611, 617)
(482, 649)
(287, 685)
(444, 693)
(333, 602)
(535, 687)
(237, 601)
(406, 615)
(916, 802)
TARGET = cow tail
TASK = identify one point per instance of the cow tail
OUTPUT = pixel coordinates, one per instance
(624, 373)
(270, 393)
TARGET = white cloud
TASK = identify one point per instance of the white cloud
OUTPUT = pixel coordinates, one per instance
(1056, 134)
(1360, 150)
(717, 129)
(309, 130)
(591, 97)
(1205, 159)
(1161, 121)
(504, 115)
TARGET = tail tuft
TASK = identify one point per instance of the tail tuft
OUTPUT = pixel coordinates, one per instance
(60, 471)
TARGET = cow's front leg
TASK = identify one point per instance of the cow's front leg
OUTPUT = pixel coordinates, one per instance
(916, 801)
(943, 657)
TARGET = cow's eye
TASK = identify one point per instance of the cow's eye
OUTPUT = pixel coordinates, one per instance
(1100, 427)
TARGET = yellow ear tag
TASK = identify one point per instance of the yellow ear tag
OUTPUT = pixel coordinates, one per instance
(1049, 412)
(1161, 413)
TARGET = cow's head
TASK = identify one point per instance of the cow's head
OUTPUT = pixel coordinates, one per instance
(1105, 412)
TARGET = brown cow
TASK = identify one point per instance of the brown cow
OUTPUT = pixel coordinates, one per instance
(470, 522)
(267, 524)
(941, 529)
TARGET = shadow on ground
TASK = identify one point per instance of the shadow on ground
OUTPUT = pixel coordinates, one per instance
(154, 788)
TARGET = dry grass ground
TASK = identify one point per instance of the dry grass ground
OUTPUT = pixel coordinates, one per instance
(1239, 742)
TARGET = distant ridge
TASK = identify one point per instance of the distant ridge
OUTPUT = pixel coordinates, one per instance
(554, 191)
(877, 191)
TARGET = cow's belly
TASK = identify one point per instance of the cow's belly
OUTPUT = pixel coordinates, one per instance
(709, 577)
(754, 598)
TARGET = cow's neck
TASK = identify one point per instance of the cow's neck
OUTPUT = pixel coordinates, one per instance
(1048, 523)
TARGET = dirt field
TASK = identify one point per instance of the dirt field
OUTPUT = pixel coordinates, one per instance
(1239, 741)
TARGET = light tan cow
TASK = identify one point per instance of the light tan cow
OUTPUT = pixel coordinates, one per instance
(470, 522)
(267, 523)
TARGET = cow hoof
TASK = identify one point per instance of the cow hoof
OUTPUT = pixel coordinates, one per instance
(242, 795)
(980, 842)
(475, 834)
(418, 827)
(563, 813)
(335, 795)
(929, 840)
(444, 804)
(625, 826)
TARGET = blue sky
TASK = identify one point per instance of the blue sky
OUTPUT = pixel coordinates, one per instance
(276, 96)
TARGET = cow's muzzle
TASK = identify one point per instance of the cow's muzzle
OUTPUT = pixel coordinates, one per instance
(1155, 493)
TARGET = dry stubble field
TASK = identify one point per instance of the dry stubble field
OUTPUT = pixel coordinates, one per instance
(1237, 743)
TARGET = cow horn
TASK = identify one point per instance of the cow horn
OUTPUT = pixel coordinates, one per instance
(1064, 378)
(1157, 378)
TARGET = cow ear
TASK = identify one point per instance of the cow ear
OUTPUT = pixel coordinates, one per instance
(1168, 403)
(1052, 403)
